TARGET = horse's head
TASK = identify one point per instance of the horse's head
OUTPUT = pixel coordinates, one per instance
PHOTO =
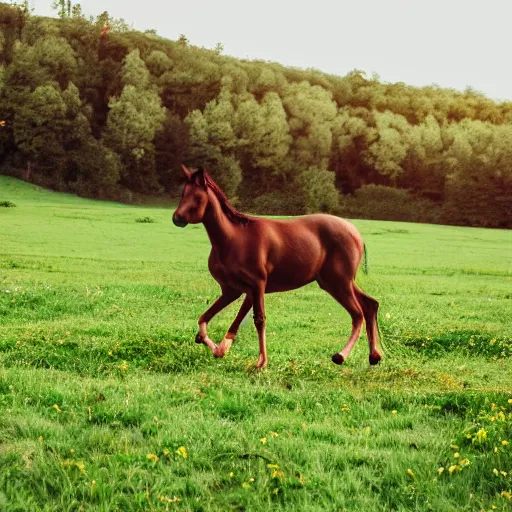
(194, 199)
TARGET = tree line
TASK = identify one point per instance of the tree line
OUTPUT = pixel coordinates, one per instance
(93, 107)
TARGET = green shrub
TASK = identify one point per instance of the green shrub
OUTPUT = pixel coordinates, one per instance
(385, 203)
(7, 204)
(278, 203)
(145, 220)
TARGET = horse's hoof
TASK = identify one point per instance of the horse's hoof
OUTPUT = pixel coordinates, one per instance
(260, 365)
(199, 339)
(374, 360)
(338, 359)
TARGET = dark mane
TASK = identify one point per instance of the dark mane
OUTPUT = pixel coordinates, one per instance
(234, 216)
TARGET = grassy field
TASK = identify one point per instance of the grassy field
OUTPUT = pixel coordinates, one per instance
(106, 402)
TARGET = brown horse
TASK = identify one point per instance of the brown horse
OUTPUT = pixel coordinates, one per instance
(254, 256)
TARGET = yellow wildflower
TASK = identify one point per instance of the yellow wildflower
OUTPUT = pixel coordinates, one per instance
(124, 366)
(495, 471)
(468, 436)
(410, 472)
(345, 408)
(464, 462)
(456, 455)
(152, 457)
(440, 470)
(504, 473)
(272, 466)
(231, 474)
(57, 408)
(454, 447)
(263, 440)
(507, 495)
(394, 412)
(480, 436)
(510, 401)
(246, 485)
(274, 434)
(504, 443)
(72, 463)
(277, 474)
(166, 452)
(81, 466)
(182, 451)
(275, 491)
(453, 468)
(169, 500)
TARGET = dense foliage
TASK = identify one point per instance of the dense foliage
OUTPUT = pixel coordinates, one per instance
(97, 109)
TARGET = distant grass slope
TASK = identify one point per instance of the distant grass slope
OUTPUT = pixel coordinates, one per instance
(106, 403)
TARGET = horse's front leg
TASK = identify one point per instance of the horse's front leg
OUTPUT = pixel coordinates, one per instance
(224, 300)
(258, 297)
(230, 336)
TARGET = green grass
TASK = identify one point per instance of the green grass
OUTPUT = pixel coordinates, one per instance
(101, 382)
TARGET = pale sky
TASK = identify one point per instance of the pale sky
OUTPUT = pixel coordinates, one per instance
(452, 43)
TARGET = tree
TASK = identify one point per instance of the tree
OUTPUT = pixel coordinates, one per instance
(424, 165)
(133, 121)
(158, 63)
(389, 149)
(38, 129)
(479, 182)
(320, 194)
(353, 132)
(63, 8)
(212, 141)
(263, 132)
(311, 113)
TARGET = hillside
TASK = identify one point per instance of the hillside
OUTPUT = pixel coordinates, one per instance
(97, 109)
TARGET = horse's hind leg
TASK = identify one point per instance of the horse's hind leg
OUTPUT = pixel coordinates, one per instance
(343, 291)
(370, 307)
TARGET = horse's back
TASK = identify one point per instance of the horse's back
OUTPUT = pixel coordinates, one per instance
(332, 231)
(304, 245)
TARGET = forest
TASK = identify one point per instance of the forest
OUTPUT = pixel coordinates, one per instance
(93, 107)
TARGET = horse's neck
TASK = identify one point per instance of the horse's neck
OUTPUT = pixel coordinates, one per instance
(219, 228)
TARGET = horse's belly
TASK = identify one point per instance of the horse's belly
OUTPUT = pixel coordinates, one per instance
(281, 285)
(291, 275)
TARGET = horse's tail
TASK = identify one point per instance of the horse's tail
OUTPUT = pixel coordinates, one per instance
(365, 259)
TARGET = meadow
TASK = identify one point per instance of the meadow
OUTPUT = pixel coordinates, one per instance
(106, 402)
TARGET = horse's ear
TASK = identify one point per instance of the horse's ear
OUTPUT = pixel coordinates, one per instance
(199, 177)
(187, 171)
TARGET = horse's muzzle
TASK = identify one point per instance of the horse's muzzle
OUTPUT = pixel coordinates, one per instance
(179, 221)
